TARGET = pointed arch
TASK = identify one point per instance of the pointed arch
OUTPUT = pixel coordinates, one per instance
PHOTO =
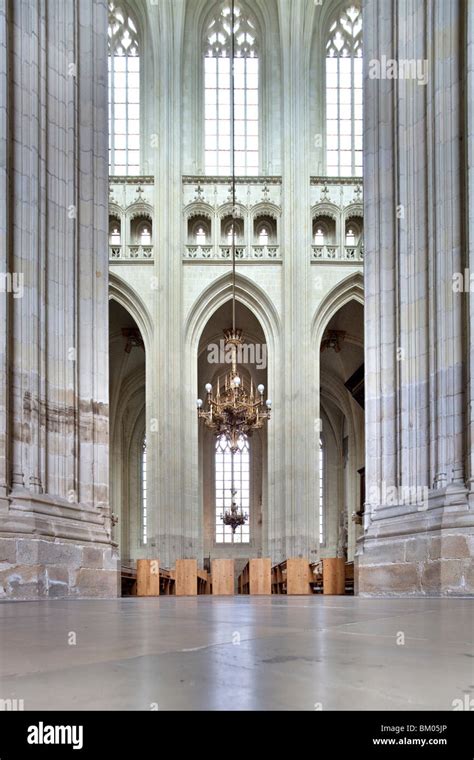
(218, 293)
(126, 296)
(348, 289)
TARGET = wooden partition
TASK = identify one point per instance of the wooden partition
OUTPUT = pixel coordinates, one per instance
(334, 578)
(148, 577)
(256, 577)
(222, 572)
(291, 577)
(186, 577)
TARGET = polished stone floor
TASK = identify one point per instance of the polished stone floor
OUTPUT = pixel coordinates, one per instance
(242, 653)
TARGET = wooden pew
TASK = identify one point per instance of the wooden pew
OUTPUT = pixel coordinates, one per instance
(349, 573)
(291, 577)
(222, 572)
(316, 577)
(328, 576)
(203, 582)
(129, 580)
(256, 577)
(167, 582)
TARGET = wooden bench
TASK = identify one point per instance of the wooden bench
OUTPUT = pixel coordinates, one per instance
(349, 574)
(128, 580)
(291, 577)
(203, 582)
(167, 582)
(328, 576)
(256, 577)
(222, 581)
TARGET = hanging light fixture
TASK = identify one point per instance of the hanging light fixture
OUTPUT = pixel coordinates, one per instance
(232, 409)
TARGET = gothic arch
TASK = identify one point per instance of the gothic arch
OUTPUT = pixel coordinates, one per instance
(354, 209)
(125, 295)
(350, 288)
(326, 209)
(198, 208)
(139, 208)
(220, 291)
(265, 208)
(236, 210)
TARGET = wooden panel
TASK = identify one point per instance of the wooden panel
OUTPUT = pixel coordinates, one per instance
(334, 575)
(260, 576)
(223, 576)
(148, 577)
(297, 576)
(186, 577)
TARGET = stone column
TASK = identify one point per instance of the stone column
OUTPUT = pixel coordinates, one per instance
(299, 435)
(178, 526)
(418, 525)
(55, 520)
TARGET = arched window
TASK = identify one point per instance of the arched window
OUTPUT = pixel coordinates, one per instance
(144, 515)
(231, 124)
(200, 236)
(321, 491)
(344, 94)
(145, 234)
(114, 234)
(231, 233)
(124, 93)
(232, 472)
(350, 236)
(319, 238)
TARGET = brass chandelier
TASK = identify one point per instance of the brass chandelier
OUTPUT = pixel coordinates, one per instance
(234, 408)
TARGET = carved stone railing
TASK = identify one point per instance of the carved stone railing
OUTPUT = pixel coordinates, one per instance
(199, 252)
(354, 253)
(325, 251)
(337, 253)
(130, 252)
(224, 252)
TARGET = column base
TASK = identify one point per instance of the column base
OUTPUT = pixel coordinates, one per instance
(50, 549)
(417, 556)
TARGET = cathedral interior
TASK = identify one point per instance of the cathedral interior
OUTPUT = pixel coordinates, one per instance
(236, 354)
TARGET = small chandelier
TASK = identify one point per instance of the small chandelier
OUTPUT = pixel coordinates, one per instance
(232, 516)
(233, 409)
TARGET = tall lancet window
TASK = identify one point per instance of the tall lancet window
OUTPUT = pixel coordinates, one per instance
(231, 123)
(144, 512)
(321, 491)
(344, 95)
(232, 473)
(124, 93)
